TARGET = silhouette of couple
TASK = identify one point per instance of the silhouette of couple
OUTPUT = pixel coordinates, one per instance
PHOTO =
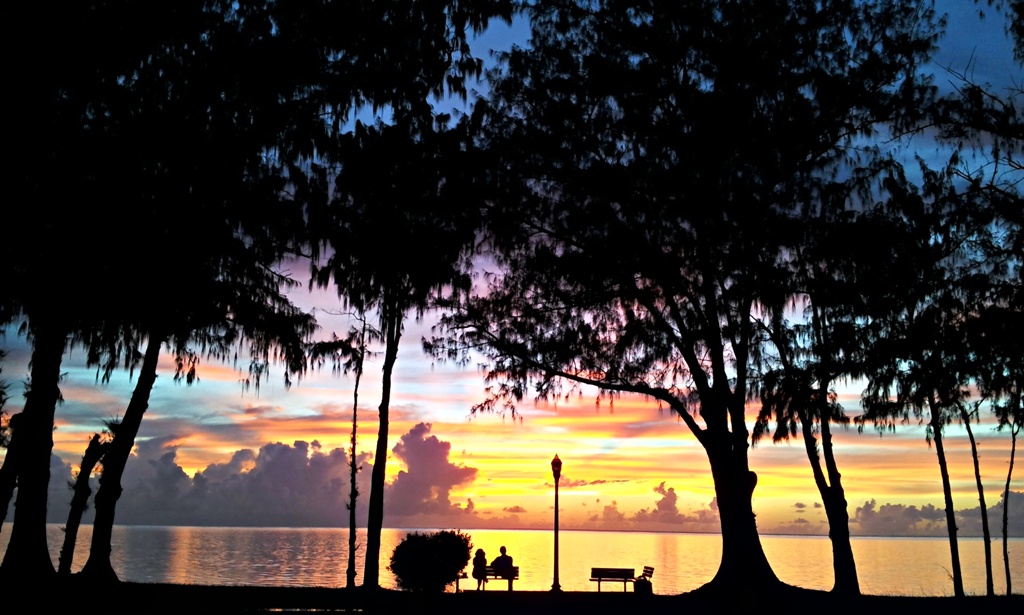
(502, 566)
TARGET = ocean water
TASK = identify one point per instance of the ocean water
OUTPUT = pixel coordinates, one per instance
(682, 562)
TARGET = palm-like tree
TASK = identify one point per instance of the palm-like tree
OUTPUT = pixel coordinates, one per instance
(401, 232)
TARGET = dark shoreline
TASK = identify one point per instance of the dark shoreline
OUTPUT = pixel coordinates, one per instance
(76, 596)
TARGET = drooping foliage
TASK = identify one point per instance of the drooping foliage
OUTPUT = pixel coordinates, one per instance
(395, 224)
(654, 161)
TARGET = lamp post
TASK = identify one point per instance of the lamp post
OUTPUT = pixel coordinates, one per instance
(556, 471)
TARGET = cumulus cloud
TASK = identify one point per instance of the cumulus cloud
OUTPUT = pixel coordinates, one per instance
(667, 514)
(665, 510)
(897, 520)
(296, 485)
(610, 517)
(425, 486)
(514, 509)
(59, 493)
(969, 520)
(281, 485)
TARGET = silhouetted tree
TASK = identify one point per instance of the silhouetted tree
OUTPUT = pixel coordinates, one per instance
(163, 116)
(8, 477)
(392, 193)
(984, 125)
(224, 312)
(813, 349)
(920, 362)
(194, 126)
(98, 445)
(4, 424)
(651, 157)
(398, 185)
(349, 354)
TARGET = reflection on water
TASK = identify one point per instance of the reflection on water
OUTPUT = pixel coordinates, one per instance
(682, 562)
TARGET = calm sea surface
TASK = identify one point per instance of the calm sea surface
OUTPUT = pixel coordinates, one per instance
(318, 557)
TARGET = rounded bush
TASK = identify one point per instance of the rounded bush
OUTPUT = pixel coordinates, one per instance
(429, 562)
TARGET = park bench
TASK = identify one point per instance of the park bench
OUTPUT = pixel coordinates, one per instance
(490, 574)
(623, 575)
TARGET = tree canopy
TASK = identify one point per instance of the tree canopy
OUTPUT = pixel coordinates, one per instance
(655, 164)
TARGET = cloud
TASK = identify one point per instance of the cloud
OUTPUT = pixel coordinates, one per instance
(514, 509)
(969, 520)
(59, 494)
(897, 520)
(425, 486)
(566, 483)
(611, 514)
(800, 505)
(664, 515)
(665, 510)
(281, 485)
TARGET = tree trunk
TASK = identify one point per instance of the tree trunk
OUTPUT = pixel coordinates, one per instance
(989, 584)
(28, 556)
(9, 470)
(833, 498)
(79, 503)
(744, 566)
(1014, 428)
(98, 565)
(353, 492)
(392, 331)
(947, 493)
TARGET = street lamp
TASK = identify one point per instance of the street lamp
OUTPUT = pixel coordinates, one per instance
(556, 471)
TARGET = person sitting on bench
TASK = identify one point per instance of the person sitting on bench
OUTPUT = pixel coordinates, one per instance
(503, 565)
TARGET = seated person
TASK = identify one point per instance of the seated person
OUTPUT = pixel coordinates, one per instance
(503, 565)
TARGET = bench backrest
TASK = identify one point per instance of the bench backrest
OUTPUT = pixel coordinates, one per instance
(612, 573)
(648, 572)
(489, 571)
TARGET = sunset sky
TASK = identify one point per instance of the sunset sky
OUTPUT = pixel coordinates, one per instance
(278, 458)
(215, 454)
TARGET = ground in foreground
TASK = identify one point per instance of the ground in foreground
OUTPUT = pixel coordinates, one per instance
(72, 596)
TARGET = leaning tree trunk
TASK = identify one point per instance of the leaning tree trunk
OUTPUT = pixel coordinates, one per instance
(833, 498)
(9, 469)
(79, 502)
(28, 556)
(989, 584)
(98, 565)
(947, 493)
(1014, 428)
(392, 330)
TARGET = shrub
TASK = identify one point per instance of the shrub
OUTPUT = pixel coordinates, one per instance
(429, 562)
